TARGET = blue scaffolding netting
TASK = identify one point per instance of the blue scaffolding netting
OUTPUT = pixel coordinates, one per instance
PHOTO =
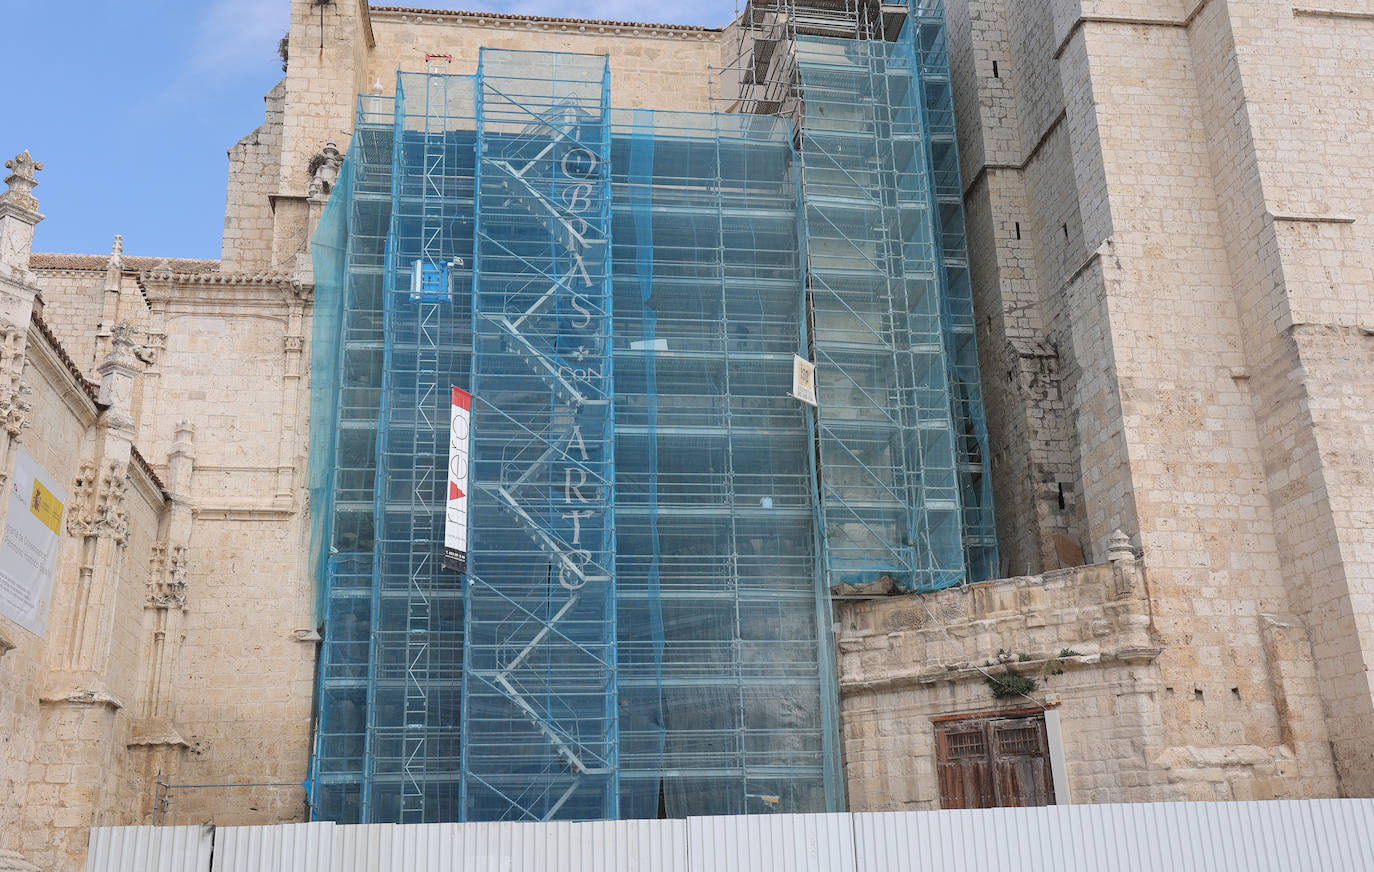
(654, 527)
(539, 657)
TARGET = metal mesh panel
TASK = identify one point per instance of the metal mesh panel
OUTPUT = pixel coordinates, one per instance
(927, 34)
(654, 523)
(721, 647)
(904, 492)
(415, 656)
(346, 380)
(889, 495)
(540, 719)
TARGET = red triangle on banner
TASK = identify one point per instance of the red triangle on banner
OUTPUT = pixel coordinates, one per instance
(454, 493)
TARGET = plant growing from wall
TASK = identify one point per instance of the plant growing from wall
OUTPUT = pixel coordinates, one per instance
(1011, 684)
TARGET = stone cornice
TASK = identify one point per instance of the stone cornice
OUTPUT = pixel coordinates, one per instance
(52, 362)
(1138, 21)
(167, 279)
(1311, 218)
(503, 21)
(28, 216)
(223, 291)
(1030, 156)
(143, 464)
(244, 512)
(146, 482)
(274, 199)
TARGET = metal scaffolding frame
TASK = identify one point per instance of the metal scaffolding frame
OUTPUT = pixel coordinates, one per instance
(654, 524)
(414, 667)
(928, 36)
(346, 377)
(904, 494)
(759, 74)
(888, 499)
(540, 656)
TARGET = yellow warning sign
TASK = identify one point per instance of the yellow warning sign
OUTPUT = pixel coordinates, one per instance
(46, 507)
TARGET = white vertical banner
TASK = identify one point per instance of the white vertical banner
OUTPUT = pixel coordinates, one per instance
(28, 553)
(456, 513)
(804, 380)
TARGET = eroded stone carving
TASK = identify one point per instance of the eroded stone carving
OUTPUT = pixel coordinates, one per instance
(954, 610)
(15, 410)
(116, 261)
(14, 405)
(123, 335)
(98, 503)
(1124, 565)
(324, 168)
(21, 181)
(117, 373)
(167, 577)
(1119, 547)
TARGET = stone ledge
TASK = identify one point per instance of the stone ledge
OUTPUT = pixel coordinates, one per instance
(155, 732)
(244, 513)
(1319, 12)
(965, 671)
(1313, 218)
(536, 22)
(81, 696)
(1098, 613)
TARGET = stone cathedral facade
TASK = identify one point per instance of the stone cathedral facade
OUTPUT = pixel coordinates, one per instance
(1169, 219)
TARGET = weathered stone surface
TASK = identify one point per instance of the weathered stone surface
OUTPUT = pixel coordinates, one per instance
(1088, 637)
(1146, 219)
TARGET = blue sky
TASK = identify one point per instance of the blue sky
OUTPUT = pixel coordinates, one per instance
(131, 106)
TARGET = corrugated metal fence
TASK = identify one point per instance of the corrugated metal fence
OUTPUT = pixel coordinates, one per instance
(165, 849)
(1324, 835)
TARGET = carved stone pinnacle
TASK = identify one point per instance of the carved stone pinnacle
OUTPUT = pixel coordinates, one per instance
(21, 181)
(1119, 547)
(116, 254)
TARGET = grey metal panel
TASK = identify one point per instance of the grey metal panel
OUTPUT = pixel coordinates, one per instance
(386, 847)
(279, 848)
(149, 849)
(603, 846)
(1329, 835)
(765, 843)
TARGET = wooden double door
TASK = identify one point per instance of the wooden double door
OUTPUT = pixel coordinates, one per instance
(993, 761)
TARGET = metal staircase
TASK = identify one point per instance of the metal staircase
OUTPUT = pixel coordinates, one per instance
(540, 658)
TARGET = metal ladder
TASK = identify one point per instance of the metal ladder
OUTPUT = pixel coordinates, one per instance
(429, 419)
